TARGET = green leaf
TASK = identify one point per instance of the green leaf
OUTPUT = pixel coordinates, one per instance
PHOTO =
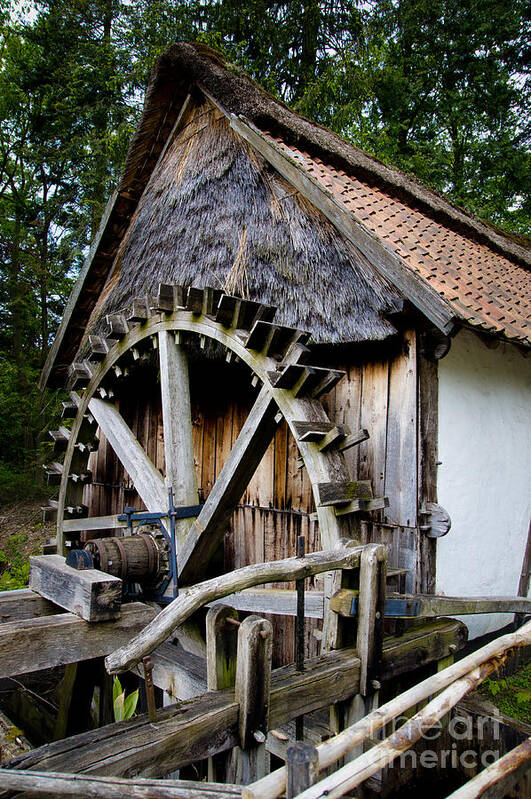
(130, 704)
(119, 707)
(116, 689)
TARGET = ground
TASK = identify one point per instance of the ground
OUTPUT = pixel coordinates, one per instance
(22, 533)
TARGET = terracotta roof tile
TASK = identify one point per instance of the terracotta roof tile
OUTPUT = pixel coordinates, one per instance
(485, 288)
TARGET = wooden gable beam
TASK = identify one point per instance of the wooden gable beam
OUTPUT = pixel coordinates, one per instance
(379, 255)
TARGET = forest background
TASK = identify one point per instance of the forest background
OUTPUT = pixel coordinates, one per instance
(438, 88)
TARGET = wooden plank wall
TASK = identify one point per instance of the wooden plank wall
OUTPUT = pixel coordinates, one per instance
(380, 395)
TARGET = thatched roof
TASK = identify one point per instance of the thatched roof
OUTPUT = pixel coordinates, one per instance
(186, 69)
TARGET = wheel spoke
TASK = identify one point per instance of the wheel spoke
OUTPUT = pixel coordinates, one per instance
(147, 479)
(177, 424)
(210, 526)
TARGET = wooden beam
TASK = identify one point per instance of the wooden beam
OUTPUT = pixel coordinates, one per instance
(222, 647)
(177, 424)
(199, 595)
(279, 601)
(202, 727)
(369, 633)
(343, 492)
(65, 638)
(207, 530)
(147, 479)
(24, 604)
(302, 763)
(91, 594)
(39, 783)
(176, 671)
(345, 603)
(380, 256)
(92, 523)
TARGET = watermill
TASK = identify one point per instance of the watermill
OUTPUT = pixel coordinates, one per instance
(248, 520)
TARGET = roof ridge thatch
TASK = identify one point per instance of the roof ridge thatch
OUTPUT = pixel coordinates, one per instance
(184, 64)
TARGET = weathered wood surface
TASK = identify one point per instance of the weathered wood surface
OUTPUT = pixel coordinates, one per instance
(197, 596)
(302, 762)
(177, 424)
(93, 523)
(278, 601)
(221, 650)
(146, 478)
(252, 691)
(332, 750)
(89, 593)
(24, 604)
(497, 779)
(345, 602)
(178, 672)
(42, 643)
(53, 784)
(195, 729)
(206, 531)
(357, 771)
(369, 635)
(209, 724)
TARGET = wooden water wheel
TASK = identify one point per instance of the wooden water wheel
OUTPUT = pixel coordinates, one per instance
(287, 386)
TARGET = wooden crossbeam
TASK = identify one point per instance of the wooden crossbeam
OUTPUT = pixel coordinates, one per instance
(345, 603)
(22, 603)
(146, 478)
(206, 531)
(56, 784)
(207, 725)
(65, 638)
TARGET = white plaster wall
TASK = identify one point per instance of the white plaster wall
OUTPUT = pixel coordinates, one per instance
(484, 479)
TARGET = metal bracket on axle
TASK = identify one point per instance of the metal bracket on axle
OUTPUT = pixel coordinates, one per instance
(134, 517)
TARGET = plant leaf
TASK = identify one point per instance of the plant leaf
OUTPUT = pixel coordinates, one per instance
(118, 707)
(130, 704)
(116, 689)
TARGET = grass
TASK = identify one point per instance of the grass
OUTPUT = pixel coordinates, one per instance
(512, 695)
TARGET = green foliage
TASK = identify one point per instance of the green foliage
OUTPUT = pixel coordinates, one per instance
(124, 706)
(512, 695)
(14, 565)
(436, 87)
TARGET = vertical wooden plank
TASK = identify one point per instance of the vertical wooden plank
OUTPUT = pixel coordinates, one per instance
(347, 411)
(280, 466)
(252, 690)
(428, 415)
(401, 450)
(221, 648)
(374, 397)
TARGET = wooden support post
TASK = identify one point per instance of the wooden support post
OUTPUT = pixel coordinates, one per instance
(221, 647)
(373, 566)
(252, 690)
(65, 700)
(302, 768)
